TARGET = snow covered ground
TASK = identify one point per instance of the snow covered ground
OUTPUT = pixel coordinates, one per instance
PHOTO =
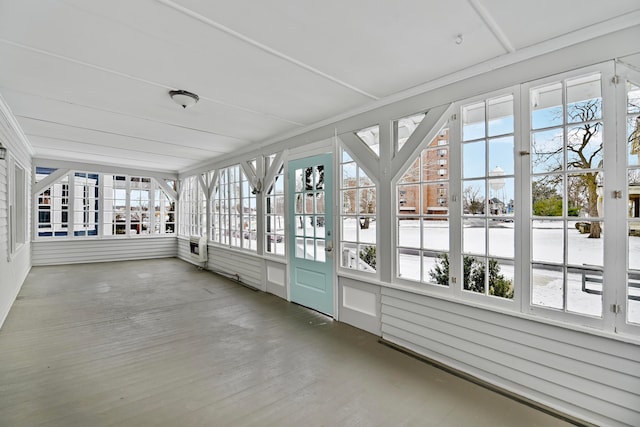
(547, 245)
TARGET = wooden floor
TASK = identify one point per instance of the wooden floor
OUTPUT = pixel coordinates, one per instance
(162, 343)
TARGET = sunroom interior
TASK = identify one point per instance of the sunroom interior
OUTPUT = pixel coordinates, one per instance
(460, 179)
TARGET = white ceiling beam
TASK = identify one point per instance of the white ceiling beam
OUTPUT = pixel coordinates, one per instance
(492, 25)
(205, 20)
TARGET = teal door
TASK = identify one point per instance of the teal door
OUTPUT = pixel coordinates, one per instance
(311, 232)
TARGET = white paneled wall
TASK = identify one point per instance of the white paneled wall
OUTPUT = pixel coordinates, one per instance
(276, 278)
(585, 375)
(102, 250)
(15, 266)
(248, 268)
(359, 304)
(245, 267)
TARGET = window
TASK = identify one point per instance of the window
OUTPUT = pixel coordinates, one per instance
(234, 210)
(633, 214)
(357, 217)
(423, 217)
(567, 177)
(193, 207)
(275, 213)
(404, 128)
(371, 137)
(73, 203)
(85, 212)
(488, 192)
(17, 206)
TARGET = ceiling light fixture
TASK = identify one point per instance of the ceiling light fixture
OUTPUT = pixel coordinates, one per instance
(184, 98)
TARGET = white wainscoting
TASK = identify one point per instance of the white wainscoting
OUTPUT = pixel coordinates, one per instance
(276, 278)
(102, 250)
(588, 376)
(359, 304)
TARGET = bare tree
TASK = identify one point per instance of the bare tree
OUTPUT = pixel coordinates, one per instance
(472, 200)
(583, 153)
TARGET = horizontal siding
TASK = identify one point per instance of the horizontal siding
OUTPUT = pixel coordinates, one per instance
(587, 376)
(250, 269)
(12, 272)
(96, 250)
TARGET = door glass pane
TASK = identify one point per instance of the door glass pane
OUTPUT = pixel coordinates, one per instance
(319, 226)
(319, 202)
(318, 177)
(309, 248)
(299, 180)
(299, 225)
(299, 247)
(320, 251)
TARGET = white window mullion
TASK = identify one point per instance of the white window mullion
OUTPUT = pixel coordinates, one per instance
(614, 230)
(455, 203)
(71, 216)
(522, 197)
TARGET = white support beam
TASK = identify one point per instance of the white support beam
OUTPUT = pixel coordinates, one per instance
(426, 130)
(360, 152)
(49, 180)
(274, 167)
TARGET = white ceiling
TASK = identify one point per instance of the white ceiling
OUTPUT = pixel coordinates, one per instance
(88, 81)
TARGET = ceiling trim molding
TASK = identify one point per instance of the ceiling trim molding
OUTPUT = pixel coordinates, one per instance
(208, 21)
(13, 124)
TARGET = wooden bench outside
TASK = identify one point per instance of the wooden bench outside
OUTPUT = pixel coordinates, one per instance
(592, 284)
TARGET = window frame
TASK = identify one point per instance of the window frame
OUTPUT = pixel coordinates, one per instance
(360, 165)
(233, 224)
(612, 252)
(17, 208)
